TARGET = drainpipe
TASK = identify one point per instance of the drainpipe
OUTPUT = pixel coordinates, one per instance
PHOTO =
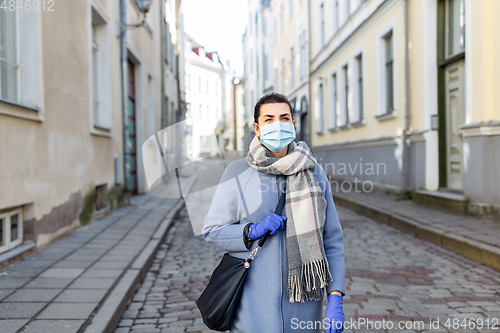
(162, 58)
(234, 119)
(123, 46)
(406, 144)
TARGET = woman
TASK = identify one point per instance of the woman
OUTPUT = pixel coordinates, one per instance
(304, 257)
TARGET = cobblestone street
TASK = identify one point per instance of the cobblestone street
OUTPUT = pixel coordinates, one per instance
(390, 275)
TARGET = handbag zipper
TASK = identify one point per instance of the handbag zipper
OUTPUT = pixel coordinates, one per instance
(281, 254)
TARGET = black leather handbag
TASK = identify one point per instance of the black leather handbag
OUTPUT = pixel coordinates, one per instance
(221, 297)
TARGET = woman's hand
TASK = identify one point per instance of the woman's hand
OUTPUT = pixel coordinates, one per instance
(271, 223)
(334, 316)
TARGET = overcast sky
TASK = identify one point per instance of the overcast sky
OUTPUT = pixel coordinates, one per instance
(218, 25)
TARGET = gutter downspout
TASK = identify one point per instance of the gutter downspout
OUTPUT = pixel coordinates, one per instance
(406, 143)
(124, 65)
(162, 59)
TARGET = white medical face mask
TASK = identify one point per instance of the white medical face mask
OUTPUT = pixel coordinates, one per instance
(277, 136)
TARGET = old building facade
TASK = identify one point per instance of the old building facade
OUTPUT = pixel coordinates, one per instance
(61, 114)
(408, 86)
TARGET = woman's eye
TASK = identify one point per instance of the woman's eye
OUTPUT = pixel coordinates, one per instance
(268, 119)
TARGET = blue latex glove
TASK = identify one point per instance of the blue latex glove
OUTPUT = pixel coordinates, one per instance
(271, 223)
(334, 314)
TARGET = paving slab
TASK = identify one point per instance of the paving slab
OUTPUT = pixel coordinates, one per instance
(33, 295)
(54, 326)
(19, 310)
(11, 325)
(81, 296)
(68, 311)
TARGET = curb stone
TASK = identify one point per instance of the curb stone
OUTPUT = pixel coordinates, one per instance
(483, 253)
(110, 313)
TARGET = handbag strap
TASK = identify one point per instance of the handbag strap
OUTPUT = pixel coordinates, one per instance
(277, 211)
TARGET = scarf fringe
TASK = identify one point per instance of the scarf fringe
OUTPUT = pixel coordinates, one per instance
(309, 281)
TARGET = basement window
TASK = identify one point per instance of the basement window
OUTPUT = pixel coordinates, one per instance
(11, 229)
(100, 198)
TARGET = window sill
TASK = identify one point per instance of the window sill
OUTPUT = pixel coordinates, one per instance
(18, 110)
(358, 123)
(387, 116)
(333, 130)
(320, 133)
(344, 127)
(101, 131)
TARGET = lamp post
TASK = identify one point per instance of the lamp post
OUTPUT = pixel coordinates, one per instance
(143, 6)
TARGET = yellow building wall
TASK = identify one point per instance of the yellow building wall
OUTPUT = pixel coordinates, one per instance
(283, 42)
(368, 39)
(485, 53)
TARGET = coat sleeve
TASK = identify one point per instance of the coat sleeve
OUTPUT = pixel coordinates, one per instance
(333, 240)
(223, 228)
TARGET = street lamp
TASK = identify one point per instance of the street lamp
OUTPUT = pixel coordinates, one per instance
(143, 5)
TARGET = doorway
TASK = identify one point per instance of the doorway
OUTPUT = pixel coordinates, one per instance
(131, 159)
(455, 117)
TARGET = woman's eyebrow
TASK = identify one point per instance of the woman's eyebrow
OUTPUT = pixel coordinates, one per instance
(285, 114)
(269, 115)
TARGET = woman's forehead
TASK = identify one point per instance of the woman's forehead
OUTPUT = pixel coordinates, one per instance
(274, 109)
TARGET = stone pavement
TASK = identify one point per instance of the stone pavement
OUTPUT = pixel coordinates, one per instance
(390, 275)
(469, 236)
(80, 282)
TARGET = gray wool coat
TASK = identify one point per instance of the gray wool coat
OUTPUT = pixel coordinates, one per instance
(264, 305)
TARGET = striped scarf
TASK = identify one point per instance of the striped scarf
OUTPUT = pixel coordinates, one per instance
(308, 271)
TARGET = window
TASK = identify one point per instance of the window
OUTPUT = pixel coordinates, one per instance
(321, 109)
(249, 23)
(8, 56)
(173, 113)
(322, 25)
(290, 4)
(292, 69)
(199, 84)
(347, 9)
(11, 229)
(389, 72)
(95, 73)
(101, 76)
(359, 87)
(257, 64)
(208, 113)
(303, 55)
(264, 30)
(100, 197)
(455, 27)
(333, 107)
(336, 16)
(164, 114)
(265, 66)
(200, 113)
(207, 87)
(283, 76)
(151, 108)
(251, 61)
(188, 82)
(345, 98)
(282, 18)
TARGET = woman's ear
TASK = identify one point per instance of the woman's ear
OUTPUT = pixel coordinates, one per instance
(256, 128)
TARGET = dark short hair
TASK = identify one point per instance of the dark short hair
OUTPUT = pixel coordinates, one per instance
(270, 98)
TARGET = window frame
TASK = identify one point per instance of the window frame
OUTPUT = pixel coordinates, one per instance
(320, 121)
(322, 28)
(382, 92)
(5, 218)
(16, 63)
(333, 115)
